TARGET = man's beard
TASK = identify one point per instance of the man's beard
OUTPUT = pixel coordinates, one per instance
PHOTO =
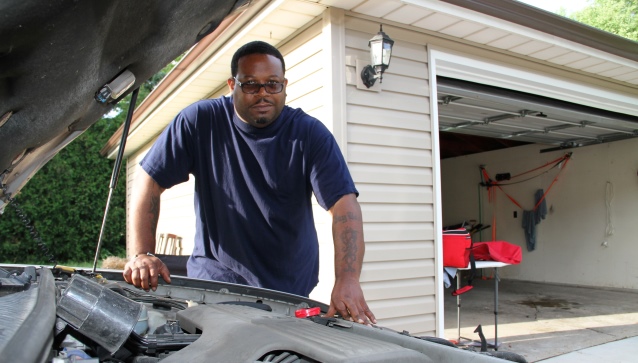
(263, 120)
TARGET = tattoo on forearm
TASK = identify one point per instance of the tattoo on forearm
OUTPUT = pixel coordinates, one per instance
(343, 219)
(349, 239)
(153, 211)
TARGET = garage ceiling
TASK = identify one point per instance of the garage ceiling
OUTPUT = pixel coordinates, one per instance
(476, 118)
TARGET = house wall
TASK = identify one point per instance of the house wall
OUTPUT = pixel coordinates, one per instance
(570, 241)
(389, 152)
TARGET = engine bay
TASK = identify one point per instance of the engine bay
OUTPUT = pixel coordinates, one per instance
(66, 315)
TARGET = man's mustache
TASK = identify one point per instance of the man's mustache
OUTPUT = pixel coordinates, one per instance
(263, 100)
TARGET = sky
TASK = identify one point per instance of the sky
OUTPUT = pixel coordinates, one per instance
(555, 5)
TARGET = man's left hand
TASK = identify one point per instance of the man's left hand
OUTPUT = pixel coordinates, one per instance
(347, 300)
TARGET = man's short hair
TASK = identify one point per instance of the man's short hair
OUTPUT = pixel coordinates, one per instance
(255, 47)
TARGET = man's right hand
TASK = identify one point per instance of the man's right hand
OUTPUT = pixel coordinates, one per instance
(143, 272)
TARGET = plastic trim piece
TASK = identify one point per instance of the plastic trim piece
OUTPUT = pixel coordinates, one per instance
(37, 306)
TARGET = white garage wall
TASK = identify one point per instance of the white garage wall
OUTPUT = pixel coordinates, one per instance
(569, 247)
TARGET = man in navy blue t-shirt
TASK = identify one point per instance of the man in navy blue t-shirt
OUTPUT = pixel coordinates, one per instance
(256, 164)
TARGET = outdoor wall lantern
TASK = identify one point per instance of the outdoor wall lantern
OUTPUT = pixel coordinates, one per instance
(380, 53)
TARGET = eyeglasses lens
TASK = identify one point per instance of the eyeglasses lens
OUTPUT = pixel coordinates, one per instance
(252, 88)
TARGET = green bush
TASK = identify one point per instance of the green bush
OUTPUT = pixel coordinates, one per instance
(65, 203)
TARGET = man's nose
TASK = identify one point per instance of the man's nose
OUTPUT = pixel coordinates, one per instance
(262, 90)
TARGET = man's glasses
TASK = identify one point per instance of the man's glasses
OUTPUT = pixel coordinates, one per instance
(252, 88)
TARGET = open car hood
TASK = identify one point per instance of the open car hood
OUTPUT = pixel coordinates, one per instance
(56, 55)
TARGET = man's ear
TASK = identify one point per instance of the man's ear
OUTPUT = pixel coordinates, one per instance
(231, 84)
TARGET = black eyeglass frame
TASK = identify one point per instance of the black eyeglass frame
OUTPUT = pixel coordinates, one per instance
(259, 86)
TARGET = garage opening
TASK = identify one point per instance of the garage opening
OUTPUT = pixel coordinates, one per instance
(584, 239)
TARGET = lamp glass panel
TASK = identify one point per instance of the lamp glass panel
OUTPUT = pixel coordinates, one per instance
(376, 53)
(387, 53)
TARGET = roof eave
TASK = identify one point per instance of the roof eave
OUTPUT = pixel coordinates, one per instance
(556, 25)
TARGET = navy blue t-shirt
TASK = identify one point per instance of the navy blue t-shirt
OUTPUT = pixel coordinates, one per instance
(253, 188)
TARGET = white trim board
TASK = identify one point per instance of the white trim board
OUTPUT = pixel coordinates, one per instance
(433, 58)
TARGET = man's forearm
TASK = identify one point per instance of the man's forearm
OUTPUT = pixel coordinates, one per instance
(145, 208)
(347, 298)
(144, 271)
(347, 230)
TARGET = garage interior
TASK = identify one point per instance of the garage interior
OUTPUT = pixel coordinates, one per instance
(536, 320)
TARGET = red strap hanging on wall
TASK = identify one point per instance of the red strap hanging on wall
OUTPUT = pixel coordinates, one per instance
(490, 184)
(566, 159)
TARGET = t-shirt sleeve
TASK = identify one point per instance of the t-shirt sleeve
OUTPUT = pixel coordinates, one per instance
(170, 159)
(329, 174)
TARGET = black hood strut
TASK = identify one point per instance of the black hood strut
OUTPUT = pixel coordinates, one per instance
(116, 172)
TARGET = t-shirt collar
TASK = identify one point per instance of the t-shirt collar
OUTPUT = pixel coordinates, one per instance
(270, 129)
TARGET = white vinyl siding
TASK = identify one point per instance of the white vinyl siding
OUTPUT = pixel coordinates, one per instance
(389, 152)
(303, 56)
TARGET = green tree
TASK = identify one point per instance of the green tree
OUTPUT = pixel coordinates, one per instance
(619, 17)
(65, 200)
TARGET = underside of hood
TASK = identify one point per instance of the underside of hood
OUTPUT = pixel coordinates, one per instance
(56, 55)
